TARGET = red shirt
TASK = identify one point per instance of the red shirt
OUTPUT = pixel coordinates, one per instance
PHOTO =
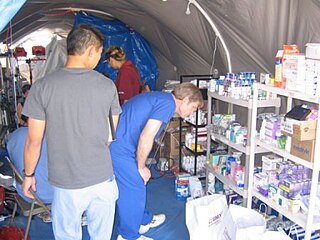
(128, 81)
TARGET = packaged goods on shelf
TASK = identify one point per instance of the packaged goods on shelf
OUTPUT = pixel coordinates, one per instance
(281, 56)
(300, 130)
(234, 198)
(188, 163)
(313, 50)
(269, 162)
(190, 142)
(269, 127)
(235, 85)
(312, 68)
(202, 83)
(195, 187)
(303, 149)
(293, 72)
(201, 117)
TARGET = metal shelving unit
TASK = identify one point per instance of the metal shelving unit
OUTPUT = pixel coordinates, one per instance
(244, 149)
(305, 221)
(195, 153)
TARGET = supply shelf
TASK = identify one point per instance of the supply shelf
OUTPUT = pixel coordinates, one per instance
(227, 181)
(238, 147)
(307, 220)
(198, 80)
(248, 104)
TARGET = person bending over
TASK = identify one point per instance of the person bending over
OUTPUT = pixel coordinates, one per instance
(15, 148)
(141, 121)
(128, 79)
(73, 105)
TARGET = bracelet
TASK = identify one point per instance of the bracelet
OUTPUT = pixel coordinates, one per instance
(25, 175)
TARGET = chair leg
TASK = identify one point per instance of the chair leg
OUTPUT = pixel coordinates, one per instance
(29, 221)
(14, 212)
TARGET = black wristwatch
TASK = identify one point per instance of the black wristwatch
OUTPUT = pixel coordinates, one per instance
(25, 175)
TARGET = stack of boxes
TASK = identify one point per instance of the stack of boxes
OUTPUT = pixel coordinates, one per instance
(312, 68)
(295, 71)
(283, 182)
(302, 135)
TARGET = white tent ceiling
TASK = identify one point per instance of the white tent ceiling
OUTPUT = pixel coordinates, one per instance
(253, 30)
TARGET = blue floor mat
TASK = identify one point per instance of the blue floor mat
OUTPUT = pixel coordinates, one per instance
(160, 199)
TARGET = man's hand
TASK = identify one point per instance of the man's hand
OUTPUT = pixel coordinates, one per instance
(28, 182)
(145, 174)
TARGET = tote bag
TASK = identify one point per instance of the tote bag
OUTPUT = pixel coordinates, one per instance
(204, 217)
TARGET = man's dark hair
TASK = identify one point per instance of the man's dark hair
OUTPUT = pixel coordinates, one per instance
(81, 37)
(25, 88)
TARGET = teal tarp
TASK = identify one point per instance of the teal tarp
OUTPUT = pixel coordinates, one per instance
(8, 9)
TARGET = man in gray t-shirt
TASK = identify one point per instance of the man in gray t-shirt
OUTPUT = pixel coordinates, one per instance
(73, 105)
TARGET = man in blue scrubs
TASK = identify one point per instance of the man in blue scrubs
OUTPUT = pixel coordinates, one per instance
(15, 148)
(142, 120)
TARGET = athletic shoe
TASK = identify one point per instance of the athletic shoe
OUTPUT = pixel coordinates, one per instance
(84, 220)
(156, 221)
(140, 238)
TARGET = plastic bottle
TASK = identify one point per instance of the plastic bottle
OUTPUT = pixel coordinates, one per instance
(231, 163)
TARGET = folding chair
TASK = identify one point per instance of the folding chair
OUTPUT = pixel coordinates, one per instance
(27, 209)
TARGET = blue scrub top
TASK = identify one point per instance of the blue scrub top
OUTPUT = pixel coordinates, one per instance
(135, 114)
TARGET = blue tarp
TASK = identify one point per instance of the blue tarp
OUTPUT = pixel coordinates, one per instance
(8, 9)
(135, 46)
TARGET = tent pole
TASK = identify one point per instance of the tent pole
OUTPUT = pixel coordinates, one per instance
(215, 29)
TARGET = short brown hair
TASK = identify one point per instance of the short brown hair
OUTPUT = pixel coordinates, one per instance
(189, 90)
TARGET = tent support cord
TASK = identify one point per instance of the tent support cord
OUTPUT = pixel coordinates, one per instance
(215, 29)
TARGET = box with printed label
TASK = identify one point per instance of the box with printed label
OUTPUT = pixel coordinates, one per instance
(300, 130)
(269, 162)
(303, 149)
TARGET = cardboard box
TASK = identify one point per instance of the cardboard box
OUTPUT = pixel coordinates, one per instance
(303, 149)
(171, 143)
(300, 130)
(174, 124)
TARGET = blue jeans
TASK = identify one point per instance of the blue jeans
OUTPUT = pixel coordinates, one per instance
(69, 204)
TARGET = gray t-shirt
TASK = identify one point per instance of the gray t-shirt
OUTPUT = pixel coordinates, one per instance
(75, 103)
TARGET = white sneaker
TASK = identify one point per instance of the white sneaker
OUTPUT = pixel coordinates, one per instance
(156, 221)
(140, 238)
(84, 220)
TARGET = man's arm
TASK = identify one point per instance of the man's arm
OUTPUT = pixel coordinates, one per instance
(145, 145)
(32, 150)
(115, 119)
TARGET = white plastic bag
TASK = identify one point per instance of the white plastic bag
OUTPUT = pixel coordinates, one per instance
(204, 217)
(240, 223)
(195, 186)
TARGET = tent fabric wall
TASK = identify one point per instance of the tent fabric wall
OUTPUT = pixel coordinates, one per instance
(183, 44)
(56, 57)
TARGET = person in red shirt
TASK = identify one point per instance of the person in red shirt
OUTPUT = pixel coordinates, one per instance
(128, 80)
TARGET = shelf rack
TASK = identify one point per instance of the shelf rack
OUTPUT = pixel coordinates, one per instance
(305, 221)
(198, 78)
(244, 149)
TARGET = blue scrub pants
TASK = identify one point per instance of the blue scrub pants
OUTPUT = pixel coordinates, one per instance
(69, 204)
(132, 197)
